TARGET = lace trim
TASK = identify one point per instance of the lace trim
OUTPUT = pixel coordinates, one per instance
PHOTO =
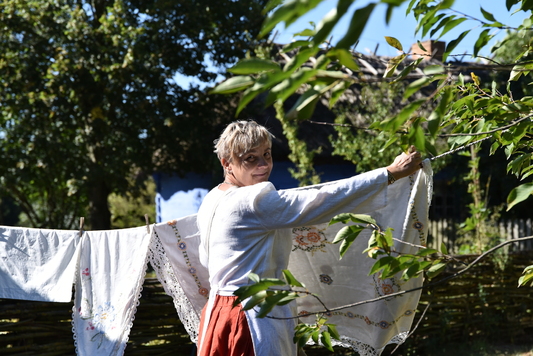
(136, 301)
(364, 349)
(165, 274)
(74, 336)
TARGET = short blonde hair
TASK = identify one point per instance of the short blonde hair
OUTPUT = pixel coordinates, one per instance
(240, 137)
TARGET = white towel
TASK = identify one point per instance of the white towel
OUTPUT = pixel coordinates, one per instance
(109, 281)
(37, 264)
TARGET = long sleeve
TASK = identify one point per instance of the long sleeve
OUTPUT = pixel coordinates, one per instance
(318, 204)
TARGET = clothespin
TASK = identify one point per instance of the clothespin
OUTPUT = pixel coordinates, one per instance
(82, 219)
(147, 222)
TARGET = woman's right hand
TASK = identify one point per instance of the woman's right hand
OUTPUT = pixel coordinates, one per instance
(406, 164)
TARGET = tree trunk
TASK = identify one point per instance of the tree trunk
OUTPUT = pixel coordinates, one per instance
(100, 215)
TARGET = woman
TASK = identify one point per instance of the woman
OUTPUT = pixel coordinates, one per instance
(245, 226)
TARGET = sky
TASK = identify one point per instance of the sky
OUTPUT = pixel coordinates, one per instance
(403, 26)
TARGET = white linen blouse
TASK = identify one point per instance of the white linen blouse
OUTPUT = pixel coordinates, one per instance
(251, 232)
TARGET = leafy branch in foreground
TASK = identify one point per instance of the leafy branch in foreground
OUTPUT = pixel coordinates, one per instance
(263, 295)
(381, 247)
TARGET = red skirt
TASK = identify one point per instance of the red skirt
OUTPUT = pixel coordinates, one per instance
(228, 333)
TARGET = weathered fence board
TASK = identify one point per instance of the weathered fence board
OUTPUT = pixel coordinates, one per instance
(446, 231)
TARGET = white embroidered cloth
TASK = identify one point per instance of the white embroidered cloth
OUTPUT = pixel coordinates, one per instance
(367, 328)
(109, 280)
(37, 264)
(315, 262)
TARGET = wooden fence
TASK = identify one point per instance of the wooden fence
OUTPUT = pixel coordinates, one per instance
(484, 303)
(446, 231)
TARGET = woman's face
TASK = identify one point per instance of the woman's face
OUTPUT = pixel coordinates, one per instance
(253, 167)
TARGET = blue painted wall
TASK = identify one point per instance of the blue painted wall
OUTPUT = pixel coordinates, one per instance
(177, 197)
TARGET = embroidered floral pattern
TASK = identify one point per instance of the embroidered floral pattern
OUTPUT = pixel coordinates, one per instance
(385, 286)
(324, 278)
(309, 239)
(182, 246)
(417, 224)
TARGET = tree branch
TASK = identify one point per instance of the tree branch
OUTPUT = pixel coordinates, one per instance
(429, 285)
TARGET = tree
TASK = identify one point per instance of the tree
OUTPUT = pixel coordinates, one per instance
(89, 97)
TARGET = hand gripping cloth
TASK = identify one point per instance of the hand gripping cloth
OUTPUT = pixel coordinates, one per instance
(109, 280)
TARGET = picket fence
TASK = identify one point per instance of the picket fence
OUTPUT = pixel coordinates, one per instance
(447, 231)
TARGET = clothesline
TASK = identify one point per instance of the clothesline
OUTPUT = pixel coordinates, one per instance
(108, 268)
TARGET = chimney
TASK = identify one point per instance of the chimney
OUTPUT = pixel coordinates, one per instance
(434, 49)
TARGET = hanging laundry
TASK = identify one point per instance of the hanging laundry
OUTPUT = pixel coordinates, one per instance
(37, 264)
(314, 261)
(173, 254)
(109, 280)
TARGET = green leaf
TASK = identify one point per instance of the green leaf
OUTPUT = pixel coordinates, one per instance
(337, 91)
(433, 69)
(454, 43)
(527, 276)
(348, 232)
(416, 85)
(304, 106)
(443, 248)
(435, 270)
(263, 284)
(333, 331)
(233, 85)
(291, 280)
(362, 219)
(300, 58)
(288, 12)
(381, 264)
(426, 252)
(255, 299)
(519, 194)
(325, 337)
(393, 124)
(519, 69)
(290, 85)
(254, 66)
(348, 238)
(356, 27)
(482, 41)
(487, 15)
(270, 302)
(341, 218)
(394, 43)
(393, 64)
(344, 57)
(329, 21)
(451, 25)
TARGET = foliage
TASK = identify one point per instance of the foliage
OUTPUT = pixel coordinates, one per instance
(128, 210)
(465, 107)
(88, 93)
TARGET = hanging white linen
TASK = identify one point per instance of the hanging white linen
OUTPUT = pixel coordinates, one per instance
(367, 328)
(315, 262)
(109, 280)
(174, 256)
(37, 264)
